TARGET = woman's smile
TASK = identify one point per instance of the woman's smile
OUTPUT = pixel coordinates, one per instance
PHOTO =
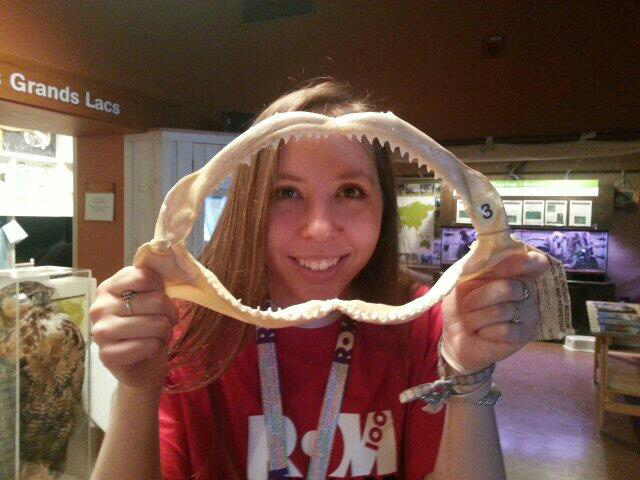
(321, 269)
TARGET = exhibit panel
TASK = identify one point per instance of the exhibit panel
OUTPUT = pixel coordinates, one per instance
(44, 381)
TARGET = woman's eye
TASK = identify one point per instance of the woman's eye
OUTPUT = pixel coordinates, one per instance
(352, 192)
(285, 193)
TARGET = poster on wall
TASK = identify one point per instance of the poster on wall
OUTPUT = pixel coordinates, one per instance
(555, 213)
(461, 214)
(417, 209)
(533, 212)
(580, 213)
(513, 208)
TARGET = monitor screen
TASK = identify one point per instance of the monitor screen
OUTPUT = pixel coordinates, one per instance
(582, 251)
(578, 250)
(456, 242)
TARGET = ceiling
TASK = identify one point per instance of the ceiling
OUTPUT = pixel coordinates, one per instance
(567, 68)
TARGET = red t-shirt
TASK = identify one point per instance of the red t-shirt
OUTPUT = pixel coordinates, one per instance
(377, 437)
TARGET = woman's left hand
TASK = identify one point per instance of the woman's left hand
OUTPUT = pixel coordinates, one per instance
(478, 329)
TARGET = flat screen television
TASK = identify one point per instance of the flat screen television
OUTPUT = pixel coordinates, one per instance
(49, 241)
(580, 251)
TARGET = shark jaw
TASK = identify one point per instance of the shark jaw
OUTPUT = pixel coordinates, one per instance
(186, 278)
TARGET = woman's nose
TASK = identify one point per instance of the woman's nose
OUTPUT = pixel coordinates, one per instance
(320, 223)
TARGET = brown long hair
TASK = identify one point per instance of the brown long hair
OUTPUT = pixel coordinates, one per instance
(208, 340)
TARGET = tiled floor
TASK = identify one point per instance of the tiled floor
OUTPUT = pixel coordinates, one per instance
(547, 419)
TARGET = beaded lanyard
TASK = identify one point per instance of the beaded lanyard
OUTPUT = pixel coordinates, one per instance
(272, 402)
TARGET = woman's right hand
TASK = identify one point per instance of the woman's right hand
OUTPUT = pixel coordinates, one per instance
(134, 347)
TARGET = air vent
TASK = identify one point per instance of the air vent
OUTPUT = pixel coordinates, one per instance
(262, 10)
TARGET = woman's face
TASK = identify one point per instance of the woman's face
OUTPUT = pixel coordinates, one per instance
(324, 221)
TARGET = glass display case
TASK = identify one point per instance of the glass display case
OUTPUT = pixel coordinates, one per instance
(44, 390)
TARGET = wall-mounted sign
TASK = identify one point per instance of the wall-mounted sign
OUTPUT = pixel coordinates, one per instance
(580, 213)
(546, 188)
(555, 213)
(533, 212)
(99, 201)
(44, 87)
(99, 206)
(19, 82)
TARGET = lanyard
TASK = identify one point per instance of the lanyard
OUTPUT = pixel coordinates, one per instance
(272, 402)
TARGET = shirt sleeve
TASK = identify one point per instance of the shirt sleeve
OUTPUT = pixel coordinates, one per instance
(174, 458)
(423, 430)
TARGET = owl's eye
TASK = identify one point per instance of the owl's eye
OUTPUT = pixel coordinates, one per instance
(21, 297)
(40, 298)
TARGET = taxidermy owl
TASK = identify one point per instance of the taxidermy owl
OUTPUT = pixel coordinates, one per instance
(50, 351)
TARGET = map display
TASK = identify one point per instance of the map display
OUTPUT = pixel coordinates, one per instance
(417, 207)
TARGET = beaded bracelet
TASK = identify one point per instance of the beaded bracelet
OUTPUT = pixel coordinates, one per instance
(436, 394)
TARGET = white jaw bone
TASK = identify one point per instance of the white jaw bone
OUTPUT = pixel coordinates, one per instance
(186, 278)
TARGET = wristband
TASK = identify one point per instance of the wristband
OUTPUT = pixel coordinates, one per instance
(436, 394)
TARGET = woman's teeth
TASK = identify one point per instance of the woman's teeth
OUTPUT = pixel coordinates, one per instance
(318, 264)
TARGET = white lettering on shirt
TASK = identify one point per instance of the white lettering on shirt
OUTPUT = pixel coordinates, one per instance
(257, 453)
(373, 449)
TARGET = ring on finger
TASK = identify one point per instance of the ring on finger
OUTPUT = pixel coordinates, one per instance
(526, 293)
(126, 297)
(516, 317)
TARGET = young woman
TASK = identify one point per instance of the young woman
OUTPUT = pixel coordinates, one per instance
(316, 219)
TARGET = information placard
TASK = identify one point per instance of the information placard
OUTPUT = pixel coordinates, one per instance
(580, 213)
(533, 212)
(513, 208)
(555, 213)
(99, 206)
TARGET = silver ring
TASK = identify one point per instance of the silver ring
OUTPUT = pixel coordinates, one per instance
(127, 296)
(525, 294)
(516, 317)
